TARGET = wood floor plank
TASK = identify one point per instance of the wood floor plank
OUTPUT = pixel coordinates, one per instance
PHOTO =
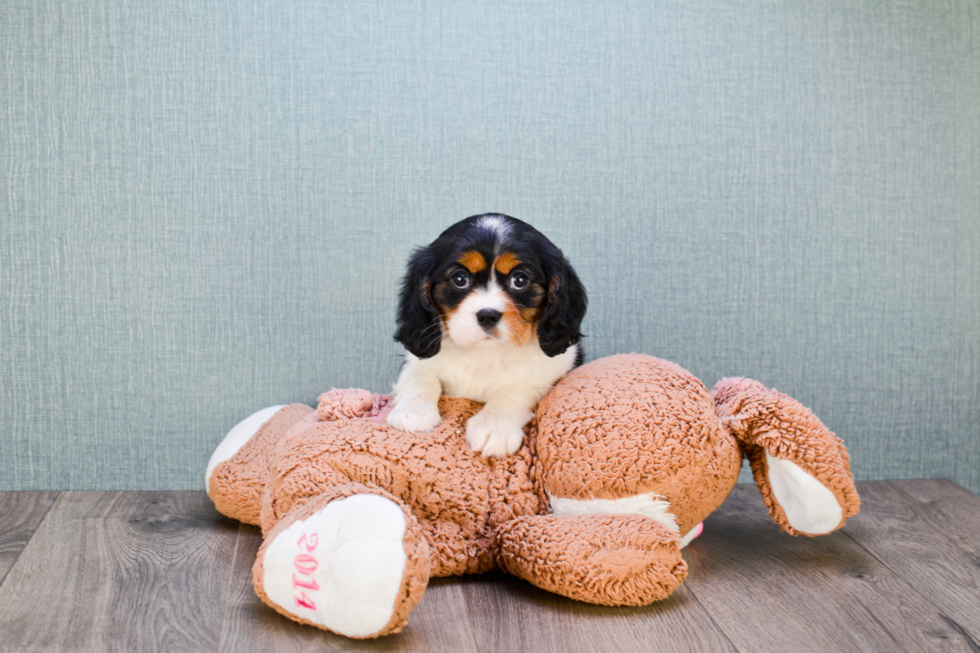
(510, 615)
(163, 571)
(954, 504)
(120, 571)
(769, 591)
(438, 623)
(928, 534)
(20, 515)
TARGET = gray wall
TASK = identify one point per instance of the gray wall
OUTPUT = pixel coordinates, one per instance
(206, 206)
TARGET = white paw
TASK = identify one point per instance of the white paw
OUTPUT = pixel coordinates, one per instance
(342, 566)
(493, 435)
(414, 416)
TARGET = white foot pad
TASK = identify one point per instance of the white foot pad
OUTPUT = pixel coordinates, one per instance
(342, 566)
(809, 506)
(236, 439)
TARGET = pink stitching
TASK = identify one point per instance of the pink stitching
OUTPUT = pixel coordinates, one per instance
(306, 564)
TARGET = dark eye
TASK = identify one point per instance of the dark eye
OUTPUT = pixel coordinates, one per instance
(518, 281)
(461, 280)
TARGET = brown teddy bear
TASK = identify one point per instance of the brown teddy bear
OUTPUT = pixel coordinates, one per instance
(625, 458)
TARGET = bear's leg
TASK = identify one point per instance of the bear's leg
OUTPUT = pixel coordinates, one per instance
(602, 559)
(239, 467)
(802, 469)
(352, 560)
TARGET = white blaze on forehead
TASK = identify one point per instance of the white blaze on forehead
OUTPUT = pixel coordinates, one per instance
(494, 223)
(492, 296)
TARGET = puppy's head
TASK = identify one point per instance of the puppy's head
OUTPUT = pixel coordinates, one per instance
(490, 280)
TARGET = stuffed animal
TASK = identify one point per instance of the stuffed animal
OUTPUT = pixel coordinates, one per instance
(625, 458)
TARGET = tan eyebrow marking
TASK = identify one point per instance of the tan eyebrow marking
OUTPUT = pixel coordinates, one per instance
(506, 262)
(473, 261)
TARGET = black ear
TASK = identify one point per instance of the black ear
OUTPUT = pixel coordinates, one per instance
(418, 319)
(558, 328)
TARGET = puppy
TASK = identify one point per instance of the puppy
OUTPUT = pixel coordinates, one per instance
(490, 311)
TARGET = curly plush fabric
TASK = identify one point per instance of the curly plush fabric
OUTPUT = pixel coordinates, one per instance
(354, 402)
(630, 424)
(237, 484)
(625, 456)
(457, 496)
(603, 559)
(767, 421)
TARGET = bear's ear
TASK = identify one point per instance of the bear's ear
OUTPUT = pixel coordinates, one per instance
(418, 319)
(566, 304)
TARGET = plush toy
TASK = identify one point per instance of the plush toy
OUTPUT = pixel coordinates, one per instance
(625, 458)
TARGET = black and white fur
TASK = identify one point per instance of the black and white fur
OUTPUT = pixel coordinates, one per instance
(501, 334)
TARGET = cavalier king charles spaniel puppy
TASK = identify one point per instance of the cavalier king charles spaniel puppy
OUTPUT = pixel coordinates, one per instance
(490, 311)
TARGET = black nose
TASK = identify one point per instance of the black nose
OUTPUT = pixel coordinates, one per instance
(488, 317)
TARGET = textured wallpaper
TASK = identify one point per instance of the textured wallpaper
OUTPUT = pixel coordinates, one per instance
(205, 207)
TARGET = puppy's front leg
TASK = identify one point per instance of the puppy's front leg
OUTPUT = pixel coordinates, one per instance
(498, 429)
(416, 400)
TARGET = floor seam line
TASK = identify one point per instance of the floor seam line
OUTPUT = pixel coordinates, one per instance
(231, 579)
(896, 575)
(711, 618)
(926, 504)
(31, 538)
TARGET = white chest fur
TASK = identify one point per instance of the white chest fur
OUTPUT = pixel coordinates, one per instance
(481, 371)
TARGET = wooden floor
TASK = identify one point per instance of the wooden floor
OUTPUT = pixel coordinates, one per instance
(162, 571)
